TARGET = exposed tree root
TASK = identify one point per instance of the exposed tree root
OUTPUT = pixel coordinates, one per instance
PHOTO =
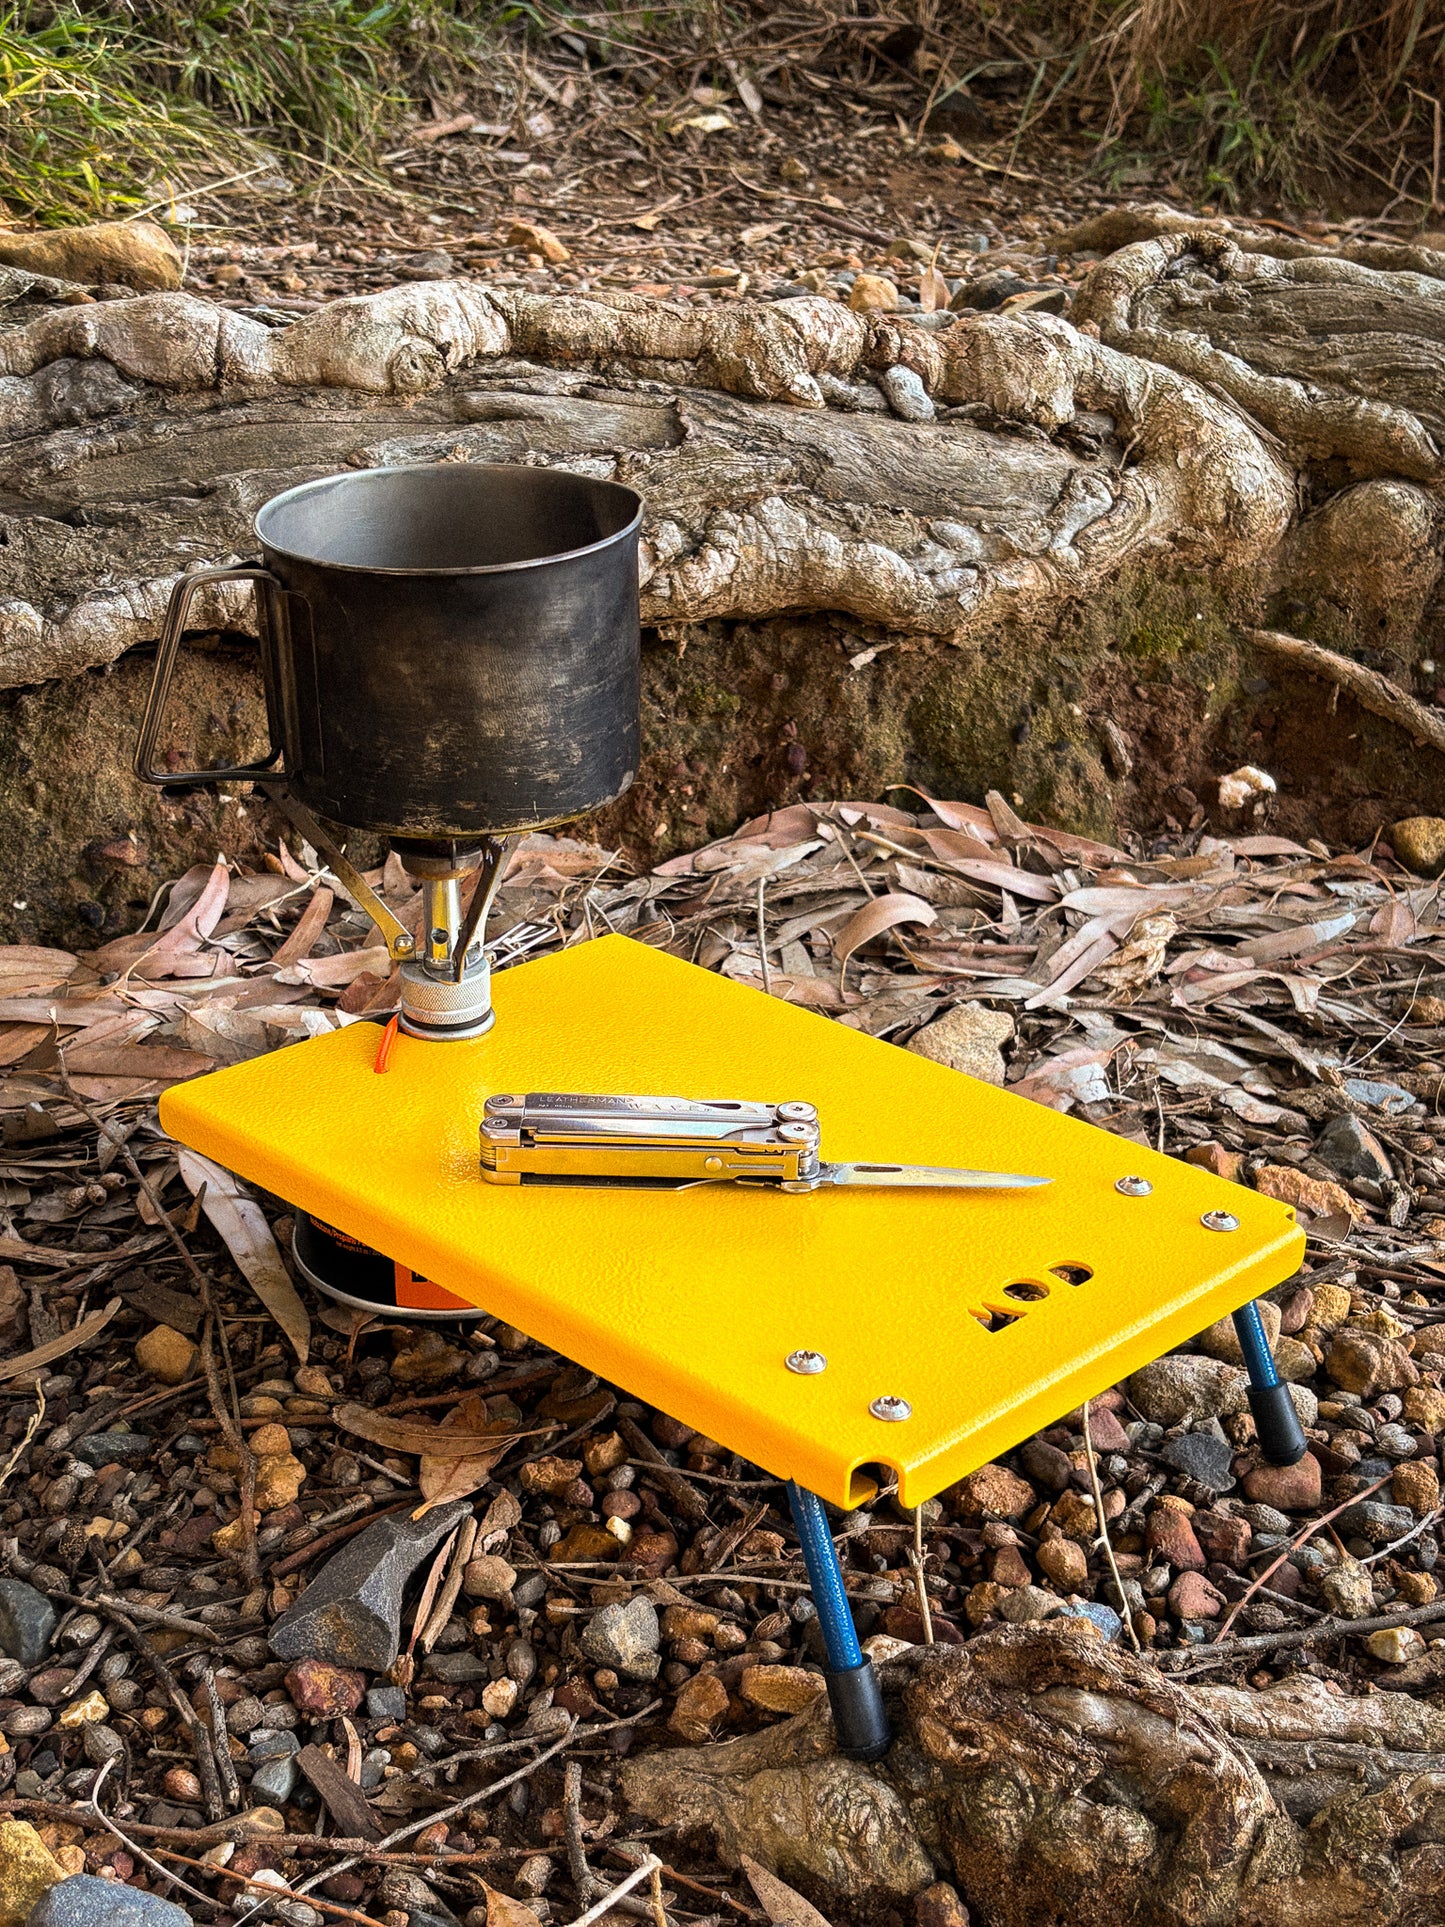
(1058, 1780)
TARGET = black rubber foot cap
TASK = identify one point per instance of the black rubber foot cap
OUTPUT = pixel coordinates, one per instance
(1281, 1436)
(858, 1716)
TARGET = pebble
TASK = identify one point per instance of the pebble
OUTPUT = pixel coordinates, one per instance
(969, 1037)
(1179, 1390)
(488, 1577)
(1348, 1590)
(84, 1901)
(1416, 1484)
(780, 1689)
(536, 239)
(1396, 1645)
(103, 1448)
(166, 1355)
(873, 294)
(1373, 1520)
(992, 1492)
(939, 1905)
(500, 1697)
(321, 1689)
(385, 1703)
(27, 1870)
(1292, 1488)
(1204, 1457)
(27, 1622)
(274, 1781)
(906, 395)
(350, 1614)
(84, 1712)
(1347, 1147)
(1193, 1597)
(1110, 1626)
(1065, 1562)
(1021, 1604)
(1172, 1537)
(1366, 1362)
(1419, 842)
(701, 1703)
(625, 1638)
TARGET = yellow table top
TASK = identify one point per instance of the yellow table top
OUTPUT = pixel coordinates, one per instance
(693, 1299)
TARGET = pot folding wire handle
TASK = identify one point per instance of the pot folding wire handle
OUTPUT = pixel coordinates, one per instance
(268, 600)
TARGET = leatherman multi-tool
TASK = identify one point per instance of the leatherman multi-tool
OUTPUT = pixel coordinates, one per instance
(672, 1143)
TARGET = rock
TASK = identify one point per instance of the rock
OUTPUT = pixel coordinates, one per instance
(587, 1542)
(873, 294)
(500, 1697)
(1245, 785)
(550, 1475)
(992, 1492)
(1346, 1589)
(1202, 1456)
(385, 1703)
(1105, 1621)
(780, 1689)
(1314, 1197)
(274, 1781)
(988, 291)
(1366, 1363)
(27, 1870)
(459, 1669)
(130, 254)
(906, 395)
(1180, 1390)
(1396, 1645)
(967, 1038)
(624, 1637)
(489, 1577)
(1374, 1521)
(1212, 1156)
(1223, 1538)
(1427, 1011)
(27, 1622)
(1192, 1597)
(1020, 1604)
(166, 1355)
(1047, 1465)
(104, 1448)
(1419, 841)
(1347, 1147)
(1292, 1488)
(279, 1479)
(1171, 1536)
(537, 240)
(1331, 1307)
(84, 1901)
(1306, 1405)
(1222, 1341)
(1394, 1442)
(1065, 1562)
(350, 1614)
(88, 1711)
(1425, 1408)
(323, 1690)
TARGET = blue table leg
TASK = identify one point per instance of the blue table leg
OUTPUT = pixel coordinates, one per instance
(853, 1691)
(1281, 1437)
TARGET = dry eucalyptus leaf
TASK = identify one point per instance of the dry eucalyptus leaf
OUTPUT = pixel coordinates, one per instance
(882, 913)
(243, 1229)
(503, 1911)
(447, 1473)
(55, 1348)
(932, 291)
(783, 1905)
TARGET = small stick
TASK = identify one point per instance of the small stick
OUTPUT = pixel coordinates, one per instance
(1369, 688)
(925, 1612)
(1103, 1539)
(220, 1734)
(1333, 1628)
(1299, 1539)
(650, 1866)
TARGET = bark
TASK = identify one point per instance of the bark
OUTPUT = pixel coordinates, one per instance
(1055, 1779)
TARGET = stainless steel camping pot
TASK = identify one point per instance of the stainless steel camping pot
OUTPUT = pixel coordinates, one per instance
(448, 651)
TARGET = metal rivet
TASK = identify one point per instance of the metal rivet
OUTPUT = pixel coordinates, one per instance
(1134, 1187)
(1219, 1221)
(798, 1113)
(807, 1363)
(891, 1408)
(712, 1164)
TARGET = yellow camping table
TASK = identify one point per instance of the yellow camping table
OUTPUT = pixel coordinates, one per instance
(982, 1315)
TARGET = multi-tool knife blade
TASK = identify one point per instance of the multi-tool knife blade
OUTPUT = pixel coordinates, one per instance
(671, 1143)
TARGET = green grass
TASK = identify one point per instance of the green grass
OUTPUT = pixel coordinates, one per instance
(103, 111)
